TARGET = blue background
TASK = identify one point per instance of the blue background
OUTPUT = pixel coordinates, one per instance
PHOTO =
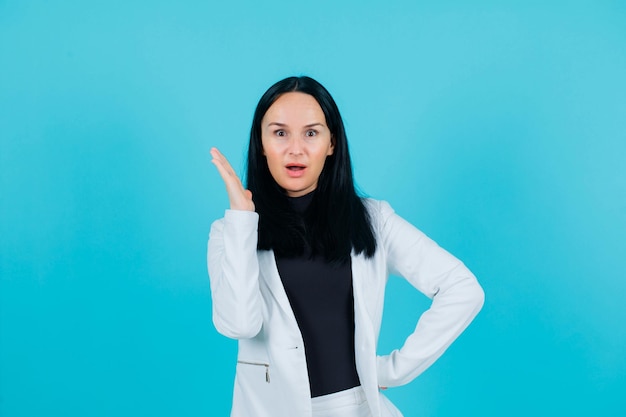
(498, 128)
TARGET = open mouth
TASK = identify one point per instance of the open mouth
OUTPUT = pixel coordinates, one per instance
(295, 168)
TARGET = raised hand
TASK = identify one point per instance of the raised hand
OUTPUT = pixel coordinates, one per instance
(239, 197)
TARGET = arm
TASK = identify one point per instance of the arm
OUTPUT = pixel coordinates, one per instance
(232, 261)
(234, 274)
(456, 297)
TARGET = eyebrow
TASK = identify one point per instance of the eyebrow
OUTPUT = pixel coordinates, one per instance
(284, 125)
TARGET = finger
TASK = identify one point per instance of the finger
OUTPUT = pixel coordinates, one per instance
(239, 197)
(219, 157)
(225, 169)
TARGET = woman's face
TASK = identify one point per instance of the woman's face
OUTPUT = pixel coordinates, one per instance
(296, 142)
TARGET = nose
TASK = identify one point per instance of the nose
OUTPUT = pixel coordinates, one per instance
(295, 147)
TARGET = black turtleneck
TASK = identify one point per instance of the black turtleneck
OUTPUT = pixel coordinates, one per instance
(321, 298)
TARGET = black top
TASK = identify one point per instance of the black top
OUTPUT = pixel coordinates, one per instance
(321, 298)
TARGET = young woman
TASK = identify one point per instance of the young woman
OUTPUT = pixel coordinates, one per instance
(298, 267)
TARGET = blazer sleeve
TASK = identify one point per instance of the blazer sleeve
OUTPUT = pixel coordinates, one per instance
(234, 274)
(455, 293)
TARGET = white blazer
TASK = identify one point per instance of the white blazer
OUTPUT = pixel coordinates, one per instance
(250, 304)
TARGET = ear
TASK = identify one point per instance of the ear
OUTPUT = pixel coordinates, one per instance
(331, 148)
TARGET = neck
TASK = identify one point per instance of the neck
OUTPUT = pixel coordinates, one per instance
(301, 203)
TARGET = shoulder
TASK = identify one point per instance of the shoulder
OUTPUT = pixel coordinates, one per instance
(237, 220)
(377, 208)
(384, 218)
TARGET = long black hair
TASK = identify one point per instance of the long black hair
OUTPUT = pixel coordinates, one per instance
(336, 222)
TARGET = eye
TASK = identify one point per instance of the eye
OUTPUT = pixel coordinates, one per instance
(311, 133)
(280, 133)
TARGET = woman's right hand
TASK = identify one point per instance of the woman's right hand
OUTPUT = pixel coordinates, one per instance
(239, 197)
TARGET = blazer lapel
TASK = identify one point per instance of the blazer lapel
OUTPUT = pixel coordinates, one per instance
(269, 275)
(364, 340)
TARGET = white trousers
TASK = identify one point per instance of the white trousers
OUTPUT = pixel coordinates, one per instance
(348, 403)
